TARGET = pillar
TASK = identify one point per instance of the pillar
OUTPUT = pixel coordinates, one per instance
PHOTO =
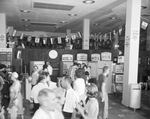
(132, 32)
(2, 30)
(86, 34)
(148, 39)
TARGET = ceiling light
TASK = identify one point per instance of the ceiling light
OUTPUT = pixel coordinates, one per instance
(25, 11)
(72, 14)
(88, 1)
(63, 22)
(56, 27)
(96, 24)
(25, 19)
(112, 18)
(25, 25)
(143, 7)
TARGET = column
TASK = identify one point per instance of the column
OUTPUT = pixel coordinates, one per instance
(2, 30)
(132, 32)
(148, 39)
(86, 34)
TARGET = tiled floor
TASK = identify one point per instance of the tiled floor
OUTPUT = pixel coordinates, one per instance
(116, 110)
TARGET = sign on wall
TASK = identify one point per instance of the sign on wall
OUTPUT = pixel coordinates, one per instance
(82, 56)
(2, 38)
(67, 57)
(95, 57)
(106, 56)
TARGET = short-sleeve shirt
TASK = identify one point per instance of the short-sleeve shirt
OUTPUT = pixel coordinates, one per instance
(102, 79)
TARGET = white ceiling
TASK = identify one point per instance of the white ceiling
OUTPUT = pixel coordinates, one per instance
(98, 13)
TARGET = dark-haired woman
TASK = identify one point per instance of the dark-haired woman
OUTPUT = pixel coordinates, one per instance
(91, 108)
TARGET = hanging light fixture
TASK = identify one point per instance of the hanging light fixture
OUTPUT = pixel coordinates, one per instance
(88, 1)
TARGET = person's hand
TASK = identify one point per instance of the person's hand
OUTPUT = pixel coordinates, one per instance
(79, 108)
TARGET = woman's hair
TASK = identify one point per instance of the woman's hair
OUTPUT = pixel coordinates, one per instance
(105, 68)
(92, 90)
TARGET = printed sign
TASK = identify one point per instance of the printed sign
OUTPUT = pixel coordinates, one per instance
(2, 38)
(82, 56)
(120, 59)
(67, 57)
(106, 56)
(95, 57)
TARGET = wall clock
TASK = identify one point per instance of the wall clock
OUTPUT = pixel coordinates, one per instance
(53, 54)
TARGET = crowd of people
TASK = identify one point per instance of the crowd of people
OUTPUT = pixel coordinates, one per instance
(73, 96)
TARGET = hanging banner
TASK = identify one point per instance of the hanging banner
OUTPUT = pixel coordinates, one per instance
(67, 57)
(95, 57)
(51, 40)
(82, 56)
(44, 41)
(37, 40)
(106, 56)
(59, 40)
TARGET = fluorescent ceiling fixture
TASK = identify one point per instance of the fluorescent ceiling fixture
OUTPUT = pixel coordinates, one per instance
(25, 25)
(88, 1)
(112, 18)
(143, 7)
(96, 24)
(72, 14)
(63, 22)
(25, 11)
(25, 19)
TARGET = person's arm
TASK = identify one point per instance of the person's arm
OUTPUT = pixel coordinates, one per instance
(103, 91)
(90, 114)
(12, 97)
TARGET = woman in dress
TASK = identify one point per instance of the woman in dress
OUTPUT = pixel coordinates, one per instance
(16, 101)
(91, 108)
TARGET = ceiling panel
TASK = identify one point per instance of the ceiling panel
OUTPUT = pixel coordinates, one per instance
(98, 12)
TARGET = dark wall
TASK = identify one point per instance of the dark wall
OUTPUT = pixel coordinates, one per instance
(28, 55)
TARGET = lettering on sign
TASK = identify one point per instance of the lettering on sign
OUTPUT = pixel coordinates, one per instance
(135, 35)
(2, 38)
(95, 57)
(81, 56)
(106, 56)
(67, 57)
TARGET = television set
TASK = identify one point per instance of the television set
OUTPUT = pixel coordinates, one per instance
(119, 78)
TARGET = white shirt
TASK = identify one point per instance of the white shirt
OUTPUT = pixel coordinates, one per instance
(52, 85)
(79, 86)
(34, 77)
(35, 90)
(50, 69)
(41, 114)
(70, 102)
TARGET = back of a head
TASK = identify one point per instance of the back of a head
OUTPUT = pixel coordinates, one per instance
(80, 72)
(92, 90)
(105, 68)
(15, 75)
(68, 79)
(44, 94)
(2, 66)
(42, 76)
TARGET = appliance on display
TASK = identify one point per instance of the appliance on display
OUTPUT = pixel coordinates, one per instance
(82, 58)
(67, 61)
